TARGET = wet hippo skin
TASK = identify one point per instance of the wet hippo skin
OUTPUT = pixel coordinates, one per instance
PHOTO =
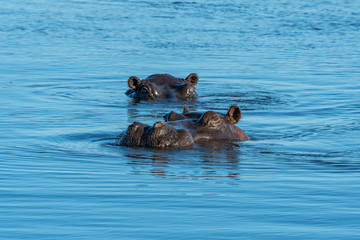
(163, 86)
(209, 125)
(160, 135)
(183, 130)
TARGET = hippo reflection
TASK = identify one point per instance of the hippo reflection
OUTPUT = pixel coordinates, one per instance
(183, 130)
(163, 86)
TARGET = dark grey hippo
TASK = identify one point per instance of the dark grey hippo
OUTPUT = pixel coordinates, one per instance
(163, 86)
(183, 130)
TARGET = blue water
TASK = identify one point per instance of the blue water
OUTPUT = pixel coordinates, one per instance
(293, 67)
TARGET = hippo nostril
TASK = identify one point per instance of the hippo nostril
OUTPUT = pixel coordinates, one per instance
(134, 126)
(159, 124)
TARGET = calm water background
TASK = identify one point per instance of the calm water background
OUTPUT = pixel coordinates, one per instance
(292, 66)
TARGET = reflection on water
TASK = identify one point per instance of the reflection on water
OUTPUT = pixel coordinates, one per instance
(206, 160)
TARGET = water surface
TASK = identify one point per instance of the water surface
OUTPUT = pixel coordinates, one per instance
(291, 66)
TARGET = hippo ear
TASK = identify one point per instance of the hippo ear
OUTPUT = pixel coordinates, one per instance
(185, 109)
(234, 114)
(134, 82)
(192, 78)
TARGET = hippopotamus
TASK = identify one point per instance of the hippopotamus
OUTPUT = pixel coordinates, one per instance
(160, 135)
(209, 125)
(183, 130)
(163, 86)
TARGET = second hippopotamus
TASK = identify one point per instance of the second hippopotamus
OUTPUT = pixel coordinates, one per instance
(163, 86)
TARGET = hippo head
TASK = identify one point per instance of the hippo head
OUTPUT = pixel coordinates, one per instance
(145, 90)
(162, 86)
(160, 135)
(209, 125)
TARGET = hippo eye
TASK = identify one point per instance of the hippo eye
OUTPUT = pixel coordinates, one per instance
(210, 119)
(145, 90)
(214, 121)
